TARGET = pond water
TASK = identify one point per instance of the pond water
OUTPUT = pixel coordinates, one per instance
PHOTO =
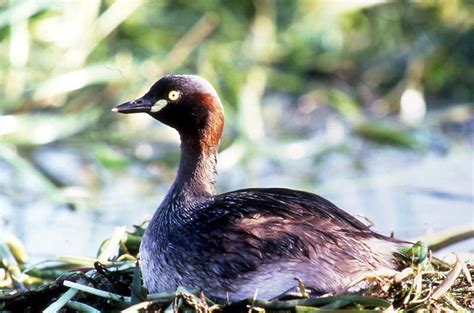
(408, 192)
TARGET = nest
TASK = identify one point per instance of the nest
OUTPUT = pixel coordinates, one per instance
(112, 282)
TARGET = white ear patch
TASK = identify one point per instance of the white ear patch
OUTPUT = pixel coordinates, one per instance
(160, 104)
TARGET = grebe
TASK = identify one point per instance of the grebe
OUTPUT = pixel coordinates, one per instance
(231, 244)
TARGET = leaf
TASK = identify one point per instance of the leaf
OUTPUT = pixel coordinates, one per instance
(136, 288)
(443, 288)
(16, 247)
(418, 253)
(109, 157)
(388, 135)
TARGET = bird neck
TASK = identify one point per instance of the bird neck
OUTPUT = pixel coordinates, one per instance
(196, 175)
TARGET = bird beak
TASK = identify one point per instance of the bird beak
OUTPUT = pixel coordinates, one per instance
(143, 104)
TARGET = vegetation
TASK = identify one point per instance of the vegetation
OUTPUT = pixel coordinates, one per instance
(112, 281)
(65, 64)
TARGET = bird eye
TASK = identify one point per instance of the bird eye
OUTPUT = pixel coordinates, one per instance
(174, 95)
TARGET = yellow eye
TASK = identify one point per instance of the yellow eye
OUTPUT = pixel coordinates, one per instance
(174, 95)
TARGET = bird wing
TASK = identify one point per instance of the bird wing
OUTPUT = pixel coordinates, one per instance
(243, 230)
(289, 205)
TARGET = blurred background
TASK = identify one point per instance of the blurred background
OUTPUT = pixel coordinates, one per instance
(368, 103)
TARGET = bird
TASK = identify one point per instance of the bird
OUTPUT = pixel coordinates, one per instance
(229, 245)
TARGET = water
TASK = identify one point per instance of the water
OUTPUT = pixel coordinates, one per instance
(408, 192)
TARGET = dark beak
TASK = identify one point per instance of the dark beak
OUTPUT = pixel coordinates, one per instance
(142, 104)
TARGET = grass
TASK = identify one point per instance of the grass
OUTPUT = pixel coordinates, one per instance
(112, 282)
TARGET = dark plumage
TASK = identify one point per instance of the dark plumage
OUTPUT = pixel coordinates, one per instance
(239, 241)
